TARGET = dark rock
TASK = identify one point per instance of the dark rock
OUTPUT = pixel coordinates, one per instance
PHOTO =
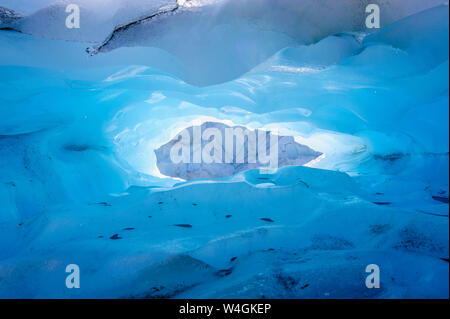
(183, 225)
(382, 203)
(115, 236)
(224, 272)
(267, 220)
(305, 286)
(105, 204)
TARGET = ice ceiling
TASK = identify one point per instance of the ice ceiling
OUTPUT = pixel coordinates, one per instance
(79, 128)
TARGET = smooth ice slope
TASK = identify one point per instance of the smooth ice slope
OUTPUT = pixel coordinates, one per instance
(189, 242)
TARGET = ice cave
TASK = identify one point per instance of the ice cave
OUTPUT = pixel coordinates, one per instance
(89, 111)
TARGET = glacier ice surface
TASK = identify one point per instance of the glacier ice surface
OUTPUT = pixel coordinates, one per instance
(78, 136)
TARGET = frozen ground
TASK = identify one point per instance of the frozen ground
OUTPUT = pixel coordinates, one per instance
(79, 181)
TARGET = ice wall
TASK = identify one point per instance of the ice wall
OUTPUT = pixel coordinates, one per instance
(79, 180)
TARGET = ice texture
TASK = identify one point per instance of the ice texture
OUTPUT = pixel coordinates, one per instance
(7, 18)
(79, 176)
(201, 33)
